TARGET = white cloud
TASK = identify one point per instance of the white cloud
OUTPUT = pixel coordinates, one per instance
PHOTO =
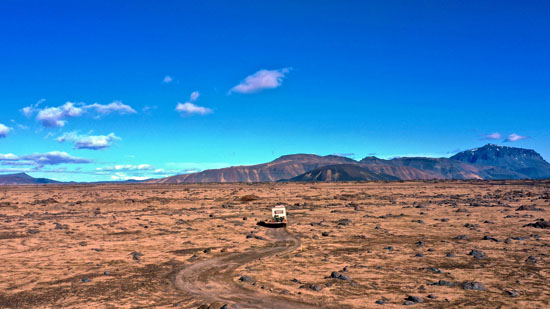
(514, 138)
(493, 136)
(167, 79)
(41, 159)
(4, 130)
(194, 96)
(56, 117)
(263, 79)
(122, 176)
(116, 106)
(92, 142)
(190, 108)
(127, 167)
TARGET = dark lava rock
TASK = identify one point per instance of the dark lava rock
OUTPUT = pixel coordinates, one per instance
(478, 254)
(246, 279)
(33, 231)
(249, 236)
(474, 285)
(451, 255)
(461, 237)
(529, 208)
(435, 270)
(106, 273)
(414, 299)
(136, 255)
(389, 248)
(419, 243)
(85, 280)
(380, 302)
(315, 237)
(512, 293)
(340, 276)
(315, 287)
(444, 283)
(419, 254)
(432, 296)
(540, 224)
(344, 222)
(487, 237)
(324, 234)
(531, 259)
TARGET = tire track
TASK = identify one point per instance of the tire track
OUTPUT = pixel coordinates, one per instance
(212, 280)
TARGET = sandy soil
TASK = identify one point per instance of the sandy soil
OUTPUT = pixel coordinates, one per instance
(192, 246)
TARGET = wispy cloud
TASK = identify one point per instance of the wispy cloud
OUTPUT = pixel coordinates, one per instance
(127, 167)
(190, 108)
(91, 142)
(345, 154)
(492, 136)
(514, 138)
(167, 79)
(57, 117)
(41, 159)
(115, 107)
(263, 79)
(4, 130)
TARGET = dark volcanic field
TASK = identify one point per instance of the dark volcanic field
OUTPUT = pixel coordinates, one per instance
(348, 245)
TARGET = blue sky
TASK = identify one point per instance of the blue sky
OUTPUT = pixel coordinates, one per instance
(122, 89)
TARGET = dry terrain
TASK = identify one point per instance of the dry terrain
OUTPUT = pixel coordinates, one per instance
(348, 245)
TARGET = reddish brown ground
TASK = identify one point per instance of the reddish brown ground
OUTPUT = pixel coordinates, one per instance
(52, 237)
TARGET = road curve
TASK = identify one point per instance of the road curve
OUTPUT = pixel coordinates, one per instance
(212, 280)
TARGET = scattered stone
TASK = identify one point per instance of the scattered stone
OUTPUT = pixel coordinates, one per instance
(85, 280)
(411, 300)
(512, 293)
(340, 276)
(435, 270)
(539, 224)
(432, 296)
(474, 285)
(344, 222)
(531, 259)
(136, 255)
(419, 254)
(451, 255)
(478, 254)
(315, 287)
(380, 302)
(487, 237)
(246, 279)
(461, 237)
(106, 273)
(419, 243)
(444, 283)
(529, 208)
(389, 248)
(324, 234)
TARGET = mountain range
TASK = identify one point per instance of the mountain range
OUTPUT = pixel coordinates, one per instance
(487, 162)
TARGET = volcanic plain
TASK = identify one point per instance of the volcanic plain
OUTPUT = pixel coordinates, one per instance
(437, 244)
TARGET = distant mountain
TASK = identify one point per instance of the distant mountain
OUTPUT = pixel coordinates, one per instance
(487, 162)
(23, 179)
(526, 162)
(342, 172)
(285, 167)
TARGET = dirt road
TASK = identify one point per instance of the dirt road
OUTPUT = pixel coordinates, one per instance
(213, 280)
